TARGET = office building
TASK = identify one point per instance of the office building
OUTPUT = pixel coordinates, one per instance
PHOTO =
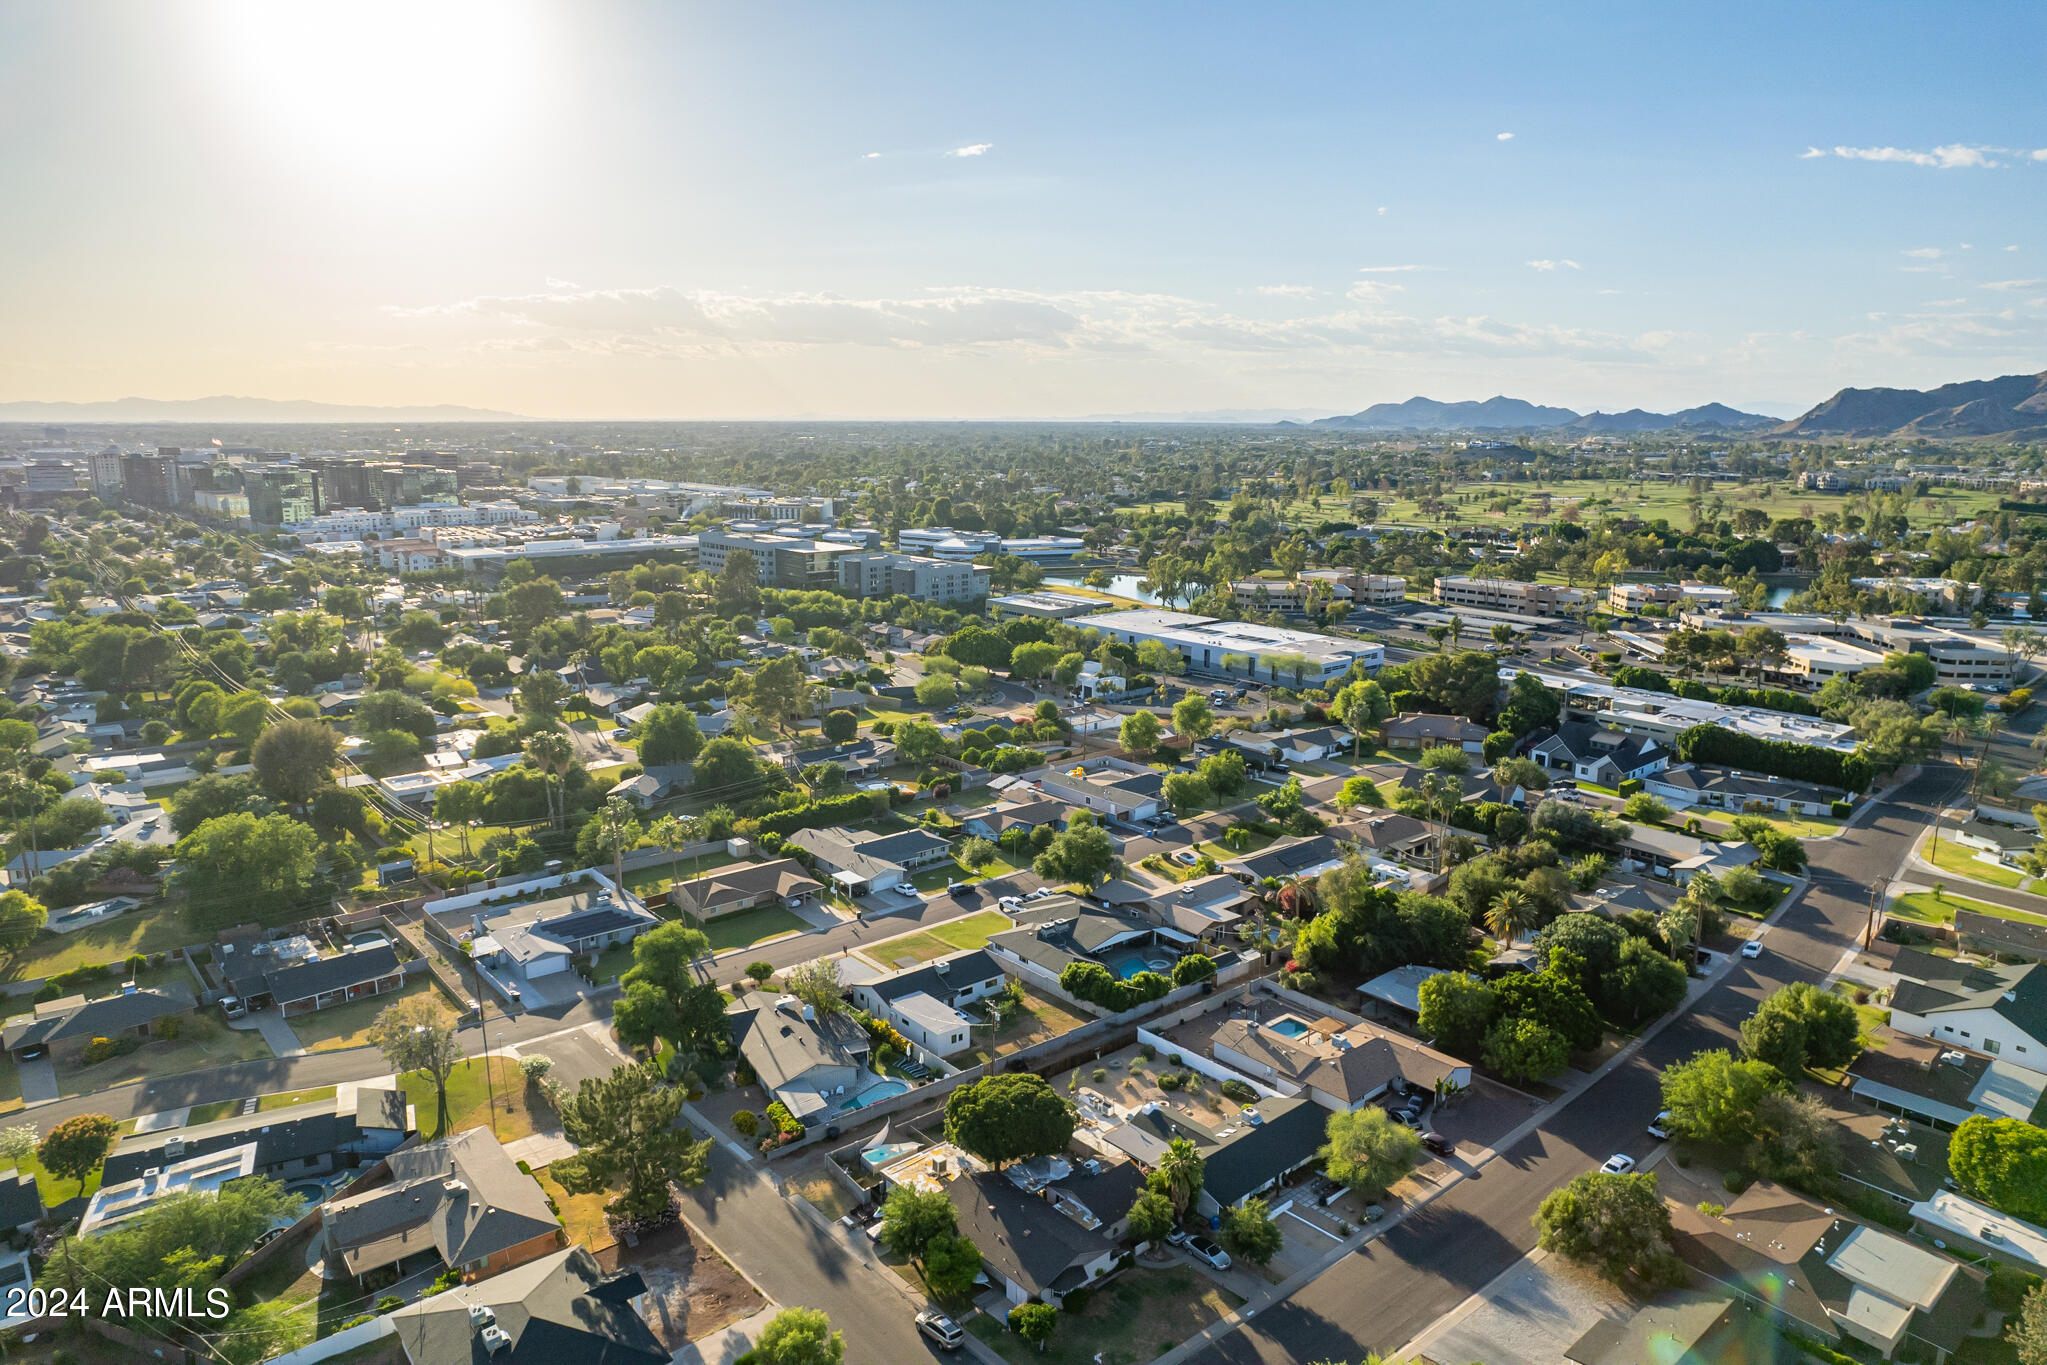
(883, 574)
(1507, 594)
(946, 543)
(152, 480)
(779, 561)
(1216, 648)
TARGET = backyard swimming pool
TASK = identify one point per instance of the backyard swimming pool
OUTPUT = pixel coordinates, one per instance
(1129, 964)
(1288, 1026)
(880, 1090)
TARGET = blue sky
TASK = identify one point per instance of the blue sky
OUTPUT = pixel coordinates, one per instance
(932, 211)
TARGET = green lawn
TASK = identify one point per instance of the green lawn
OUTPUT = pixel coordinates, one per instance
(645, 881)
(55, 1189)
(343, 1026)
(1138, 1316)
(283, 1099)
(956, 936)
(203, 1042)
(1953, 858)
(751, 927)
(152, 929)
(581, 1214)
(1797, 826)
(1928, 908)
(468, 1096)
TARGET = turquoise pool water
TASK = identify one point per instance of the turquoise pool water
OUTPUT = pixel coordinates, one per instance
(1292, 1028)
(1129, 964)
(880, 1090)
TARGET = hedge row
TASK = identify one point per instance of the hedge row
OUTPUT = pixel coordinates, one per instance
(1779, 758)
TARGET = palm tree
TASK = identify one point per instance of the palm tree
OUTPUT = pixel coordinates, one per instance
(1179, 1170)
(551, 752)
(1511, 912)
(618, 822)
(672, 832)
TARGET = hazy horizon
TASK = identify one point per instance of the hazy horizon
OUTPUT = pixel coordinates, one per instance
(628, 212)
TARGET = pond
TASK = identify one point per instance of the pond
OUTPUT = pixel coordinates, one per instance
(1122, 584)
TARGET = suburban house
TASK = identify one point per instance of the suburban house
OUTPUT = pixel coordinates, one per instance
(811, 1065)
(461, 1198)
(1107, 786)
(1058, 931)
(1686, 1327)
(1394, 837)
(1202, 907)
(1029, 816)
(1247, 1154)
(742, 886)
(859, 758)
(558, 932)
(1044, 1229)
(653, 783)
(1989, 1008)
(1992, 934)
(1930, 1082)
(1309, 746)
(1341, 1067)
(1425, 730)
(1398, 991)
(559, 1309)
(206, 1173)
(66, 1025)
(312, 1138)
(1680, 857)
(1597, 754)
(1714, 788)
(861, 863)
(1830, 1277)
(305, 986)
(924, 1003)
(1288, 858)
(1976, 1229)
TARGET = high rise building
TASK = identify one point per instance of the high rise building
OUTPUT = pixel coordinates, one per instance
(152, 480)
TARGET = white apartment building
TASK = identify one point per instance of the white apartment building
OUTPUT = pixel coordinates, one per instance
(1635, 596)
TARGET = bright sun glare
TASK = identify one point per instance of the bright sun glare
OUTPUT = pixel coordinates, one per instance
(379, 85)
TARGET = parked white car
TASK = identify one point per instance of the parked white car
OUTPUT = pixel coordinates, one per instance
(1618, 1164)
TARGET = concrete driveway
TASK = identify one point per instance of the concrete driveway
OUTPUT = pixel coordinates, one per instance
(38, 1081)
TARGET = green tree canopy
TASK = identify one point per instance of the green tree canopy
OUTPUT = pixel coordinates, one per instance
(1367, 1150)
(1614, 1223)
(624, 1126)
(1008, 1118)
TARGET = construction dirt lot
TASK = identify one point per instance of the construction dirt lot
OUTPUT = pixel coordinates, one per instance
(692, 1291)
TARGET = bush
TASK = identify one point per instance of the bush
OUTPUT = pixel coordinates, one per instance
(1237, 1090)
(1840, 809)
(169, 1027)
(1733, 1182)
(1098, 1075)
(746, 1122)
(1711, 1209)
(100, 1050)
(1147, 1051)
(1172, 1080)
(389, 1302)
(786, 1126)
(1629, 786)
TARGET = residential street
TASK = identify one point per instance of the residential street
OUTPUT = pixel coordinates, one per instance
(794, 1261)
(1386, 1294)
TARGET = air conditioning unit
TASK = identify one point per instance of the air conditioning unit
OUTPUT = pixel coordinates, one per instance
(481, 1316)
(454, 1187)
(496, 1339)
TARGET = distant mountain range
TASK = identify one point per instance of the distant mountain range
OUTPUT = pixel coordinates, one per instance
(227, 408)
(1516, 414)
(2014, 405)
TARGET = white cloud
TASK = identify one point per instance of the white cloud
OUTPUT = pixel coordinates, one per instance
(1948, 156)
(1547, 265)
(1382, 210)
(972, 149)
(1371, 291)
(2013, 247)
(1288, 291)
(1503, 137)
(2037, 154)
(1926, 253)
(1811, 152)
(1394, 269)
(871, 156)
(2015, 284)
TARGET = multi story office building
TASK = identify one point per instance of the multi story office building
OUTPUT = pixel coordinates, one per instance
(943, 542)
(152, 480)
(1241, 649)
(928, 580)
(1507, 594)
(780, 561)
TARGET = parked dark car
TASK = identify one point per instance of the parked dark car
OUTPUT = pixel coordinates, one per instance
(1439, 1144)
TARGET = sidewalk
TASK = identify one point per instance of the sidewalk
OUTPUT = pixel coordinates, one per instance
(727, 1344)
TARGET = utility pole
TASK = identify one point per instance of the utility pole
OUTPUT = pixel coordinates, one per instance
(1877, 890)
(483, 1022)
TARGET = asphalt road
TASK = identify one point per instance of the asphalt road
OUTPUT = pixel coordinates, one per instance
(243, 1079)
(1393, 1288)
(794, 1261)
